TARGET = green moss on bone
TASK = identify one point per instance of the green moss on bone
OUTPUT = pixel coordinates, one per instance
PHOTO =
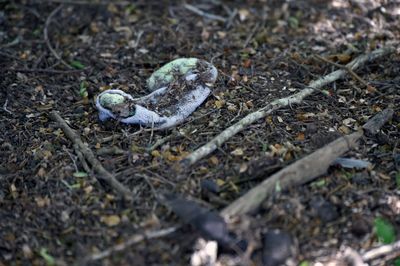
(167, 73)
(110, 99)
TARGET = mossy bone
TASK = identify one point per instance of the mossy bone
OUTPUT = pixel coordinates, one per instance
(177, 89)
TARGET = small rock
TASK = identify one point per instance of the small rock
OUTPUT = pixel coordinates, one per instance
(210, 186)
(278, 247)
(361, 179)
(360, 226)
(324, 210)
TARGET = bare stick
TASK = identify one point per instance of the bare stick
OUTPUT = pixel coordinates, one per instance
(203, 14)
(91, 158)
(131, 241)
(45, 71)
(375, 123)
(382, 251)
(352, 257)
(46, 36)
(351, 72)
(89, 2)
(5, 107)
(251, 35)
(298, 173)
(277, 104)
(160, 142)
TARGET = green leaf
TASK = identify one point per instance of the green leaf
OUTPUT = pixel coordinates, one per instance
(80, 174)
(384, 230)
(47, 257)
(319, 183)
(278, 187)
(293, 22)
(76, 64)
(83, 89)
(397, 262)
(398, 180)
(304, 263)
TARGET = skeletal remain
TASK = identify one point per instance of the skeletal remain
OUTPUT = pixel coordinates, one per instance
(178, 88)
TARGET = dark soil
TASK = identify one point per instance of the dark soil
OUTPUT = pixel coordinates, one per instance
(51, 208)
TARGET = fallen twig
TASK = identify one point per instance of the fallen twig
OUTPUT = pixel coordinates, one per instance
(300, 172)
(204, 14)
(46, 36)
(46, 71)
(382, 251)
(5, 107)
(89, 2)
(352, 257)
(251, 35)
(91, 158)
(351, 72)
(129, 242)
(375, 123)
(277, 104)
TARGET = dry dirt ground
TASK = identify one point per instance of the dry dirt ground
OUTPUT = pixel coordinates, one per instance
(54, 211)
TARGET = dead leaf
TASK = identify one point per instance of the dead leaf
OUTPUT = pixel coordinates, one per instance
(155, 153)
(232, 107)
(41, 172)
(249, 104)
(300, 136)
(42, 202)
(88, 189)
(110, 220)
(348, 122)
(214, 160)
(221, 34)
(246, 63)
(220, 182)
(205, 35)
(219, 103)
(237, 152)
(243, 168)
(243, 14)
(344, 130)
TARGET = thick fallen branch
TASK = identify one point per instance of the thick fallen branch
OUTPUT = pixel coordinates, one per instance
(277, 104)
(375, 123)
(300, 172)
(303, 170)
(91, 158)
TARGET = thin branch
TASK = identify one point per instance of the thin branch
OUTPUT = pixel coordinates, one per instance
(277, 104)
(160, 142)
(204, 14)
(351, 72)
(46, 71)
(352, 257)
(137, 238)
(46, 36)
(251, 35)
(89, 2)
(298, 173)
(91, 158)
(375, 123)
(381, 251)
(5, 107)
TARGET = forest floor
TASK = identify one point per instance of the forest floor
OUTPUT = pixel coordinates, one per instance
(53, 211)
